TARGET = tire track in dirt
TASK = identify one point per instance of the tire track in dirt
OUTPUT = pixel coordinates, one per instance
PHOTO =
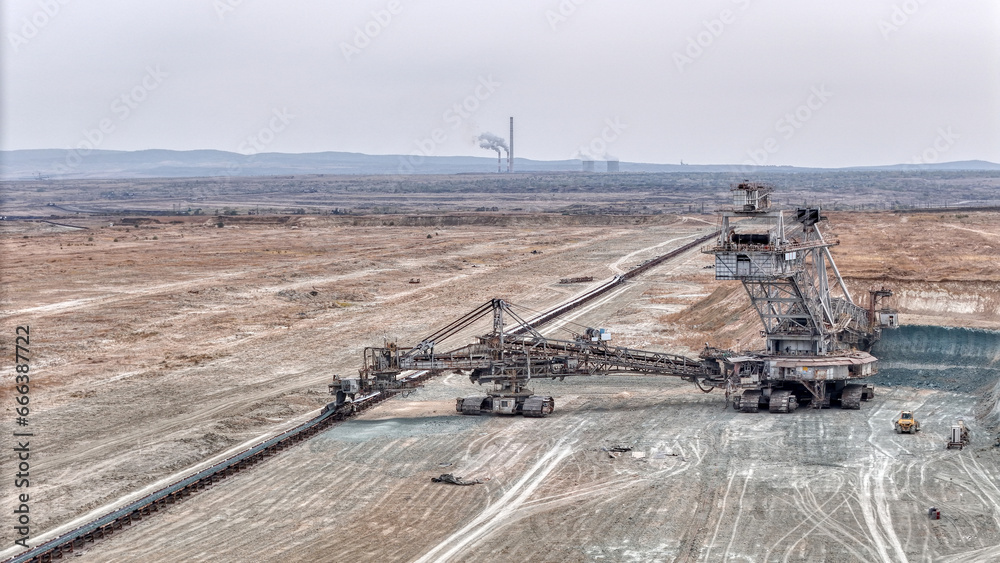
(875, 510)
(616, 265)
(616, 294)
(116, 297)
(626, 479)
(985, 482)
(823, 520)
(605, 487)
(873, 497)
(493, 516)
(987, 490)
(739, 513)
(722, 512)
(984, 233)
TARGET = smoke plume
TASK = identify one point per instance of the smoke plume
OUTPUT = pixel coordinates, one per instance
(493, 143)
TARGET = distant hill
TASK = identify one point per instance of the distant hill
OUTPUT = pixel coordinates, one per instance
(59, 163)
(958, 165)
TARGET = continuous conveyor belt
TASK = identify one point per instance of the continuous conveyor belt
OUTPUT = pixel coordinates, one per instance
(107, 525)
(608, 286)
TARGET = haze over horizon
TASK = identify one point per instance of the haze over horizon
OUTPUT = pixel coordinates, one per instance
(729, 82)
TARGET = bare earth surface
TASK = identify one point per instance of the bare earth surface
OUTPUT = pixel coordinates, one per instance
(152, 355)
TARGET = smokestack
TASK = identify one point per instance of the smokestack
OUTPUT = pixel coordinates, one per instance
(494, 143)
(510, 152)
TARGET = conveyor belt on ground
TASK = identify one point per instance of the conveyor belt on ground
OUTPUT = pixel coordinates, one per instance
(108, 524)
(113, 521)
(608, 286)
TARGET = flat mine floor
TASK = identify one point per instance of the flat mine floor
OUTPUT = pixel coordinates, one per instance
(701, 483)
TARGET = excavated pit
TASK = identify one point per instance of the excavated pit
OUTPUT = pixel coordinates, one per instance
(960, 360)
(209, 337)
(955, 360)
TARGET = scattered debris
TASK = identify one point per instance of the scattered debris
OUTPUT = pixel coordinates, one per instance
(934, 513)
(449, 478)
(577, 280)
(615, 452)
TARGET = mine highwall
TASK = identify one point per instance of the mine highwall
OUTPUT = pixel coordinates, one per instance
(962, 360)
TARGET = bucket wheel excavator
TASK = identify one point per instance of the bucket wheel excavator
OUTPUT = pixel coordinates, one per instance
(816, 344)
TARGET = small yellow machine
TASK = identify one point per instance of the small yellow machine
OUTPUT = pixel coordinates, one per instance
(906, 423)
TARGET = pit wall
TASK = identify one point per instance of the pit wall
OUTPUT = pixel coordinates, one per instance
(961, 360)
(945, 303)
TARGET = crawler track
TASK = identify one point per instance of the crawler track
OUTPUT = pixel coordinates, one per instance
(120, 518)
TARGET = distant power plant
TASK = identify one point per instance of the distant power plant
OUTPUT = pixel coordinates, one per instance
(588, 165)
(495, 143)
(503, 146)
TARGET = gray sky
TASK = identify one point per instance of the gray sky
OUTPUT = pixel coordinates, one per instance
(854, 82)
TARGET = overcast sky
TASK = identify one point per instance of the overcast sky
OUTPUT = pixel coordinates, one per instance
(854, 82)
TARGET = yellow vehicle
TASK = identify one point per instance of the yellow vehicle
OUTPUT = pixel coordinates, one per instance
(906, 423)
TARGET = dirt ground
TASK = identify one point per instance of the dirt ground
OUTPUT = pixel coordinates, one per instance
(712, 485)
(158, 347)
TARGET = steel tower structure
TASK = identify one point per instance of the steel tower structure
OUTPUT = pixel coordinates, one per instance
(785, 268)
(812, 338)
